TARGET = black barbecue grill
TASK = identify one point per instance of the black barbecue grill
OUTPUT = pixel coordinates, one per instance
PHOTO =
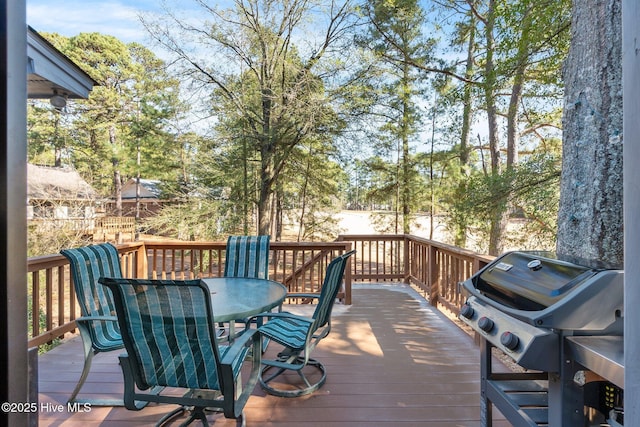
(526, 304)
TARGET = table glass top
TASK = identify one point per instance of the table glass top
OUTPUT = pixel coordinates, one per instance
(238, 297)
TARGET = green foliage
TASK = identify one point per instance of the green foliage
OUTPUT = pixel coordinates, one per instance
(131, 108)
(312, 192)
(42, 324)
(47, 237)
(532, 188)
(301, 134)
(267, 95)
(195, 220)
(395, 37)
(284, 116)
(48, 133)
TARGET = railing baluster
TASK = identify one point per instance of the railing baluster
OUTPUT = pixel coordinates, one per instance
(35, 304)
(49, 299)
(61, 293)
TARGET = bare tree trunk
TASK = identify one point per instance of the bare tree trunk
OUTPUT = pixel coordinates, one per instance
(267, 151)
(590, 213)
(489, 90)
(245, 188)
(406, 161)
(432, 225)
(56, 138)
(303, 196)
(277, 214)
(117, 179)
(264, 206)
(498, 220)
(522, 59)
(460, 233)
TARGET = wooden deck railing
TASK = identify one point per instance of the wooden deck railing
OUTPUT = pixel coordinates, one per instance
(300, 266)
(433, 267)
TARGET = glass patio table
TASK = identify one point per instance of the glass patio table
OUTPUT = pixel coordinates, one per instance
(234, 298)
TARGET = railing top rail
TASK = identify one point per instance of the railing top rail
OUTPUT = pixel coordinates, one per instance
(344, 237)
(44, 262)
(54, 260)
(450, 248)
(130, 245)
(222, 244)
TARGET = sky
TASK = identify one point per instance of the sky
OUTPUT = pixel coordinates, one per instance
(117, 18)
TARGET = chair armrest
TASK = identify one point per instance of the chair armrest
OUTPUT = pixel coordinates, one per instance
(239, 345)
(302, 295)
(283, 314)
(90, 319)
(235, 393)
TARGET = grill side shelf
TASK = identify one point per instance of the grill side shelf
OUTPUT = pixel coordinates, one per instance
(603, 355)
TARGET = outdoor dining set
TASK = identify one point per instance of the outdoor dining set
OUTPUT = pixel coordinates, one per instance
(200, 344)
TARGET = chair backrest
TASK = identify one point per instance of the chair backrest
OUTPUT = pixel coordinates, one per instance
(247, 256)
(168, 332)
(87, 265)
(330, 288)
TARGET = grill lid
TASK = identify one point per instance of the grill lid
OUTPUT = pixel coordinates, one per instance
(530, 281)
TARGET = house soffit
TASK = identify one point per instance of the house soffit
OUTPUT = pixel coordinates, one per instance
(48, 70)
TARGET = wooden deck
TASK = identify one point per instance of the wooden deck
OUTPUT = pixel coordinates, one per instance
(392, 360)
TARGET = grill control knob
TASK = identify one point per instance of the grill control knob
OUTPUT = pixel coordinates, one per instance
(467, 311)
(485, 324)
(535, 264)
(509, 340)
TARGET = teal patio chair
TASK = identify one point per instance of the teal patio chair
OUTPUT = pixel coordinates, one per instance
(246, 256)
(299, 337)
(98, 324)
(169, 334)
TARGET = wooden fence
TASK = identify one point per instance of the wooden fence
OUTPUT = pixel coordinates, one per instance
(120, 228)
(433, 267)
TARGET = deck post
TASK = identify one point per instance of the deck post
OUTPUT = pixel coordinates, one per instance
(631, 154)
(348, 276)
(32, 387)
(407, 260)
(142, 265)
(434, 276)
(13, 188)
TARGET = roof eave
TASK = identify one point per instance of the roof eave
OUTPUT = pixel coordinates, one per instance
(48, 70)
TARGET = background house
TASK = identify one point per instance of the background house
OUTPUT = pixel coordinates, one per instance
(149, 198)
(55, 193)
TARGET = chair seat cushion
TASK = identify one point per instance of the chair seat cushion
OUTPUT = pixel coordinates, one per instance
(109, 344)
(288, 331)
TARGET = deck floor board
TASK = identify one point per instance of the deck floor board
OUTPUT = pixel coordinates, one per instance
(392, 360)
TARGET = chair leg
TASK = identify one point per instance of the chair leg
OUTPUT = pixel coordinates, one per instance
(88, 357)
(241, 420)
(196, 413)
(272, 376)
